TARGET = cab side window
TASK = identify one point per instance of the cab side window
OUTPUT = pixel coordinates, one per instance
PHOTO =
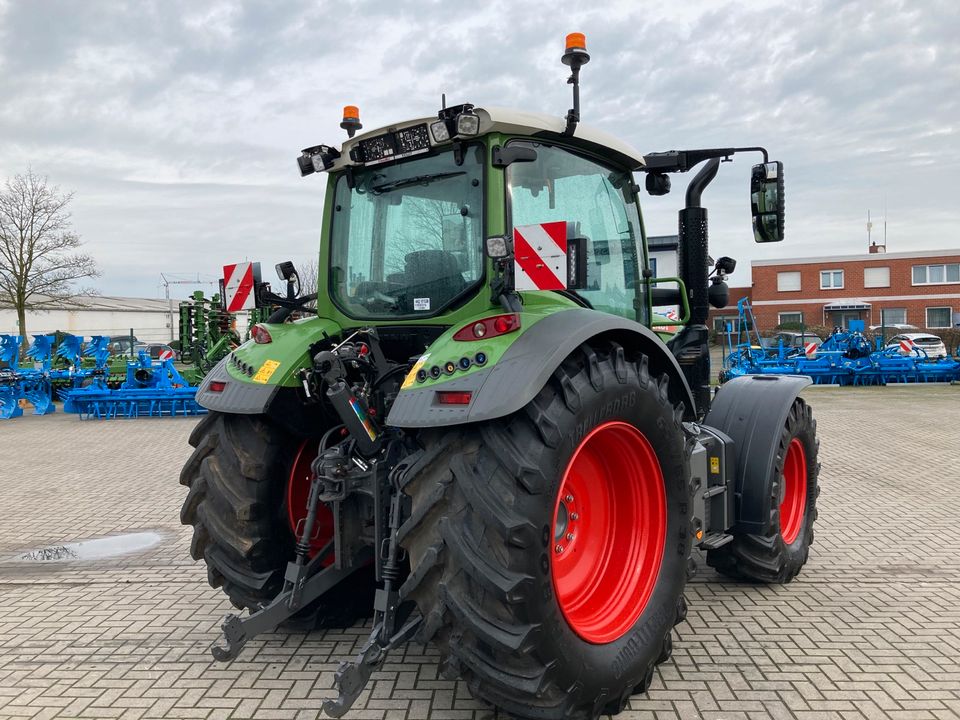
(560, 185)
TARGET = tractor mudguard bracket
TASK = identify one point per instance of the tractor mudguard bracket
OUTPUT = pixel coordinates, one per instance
(712, 467)
(237, 631)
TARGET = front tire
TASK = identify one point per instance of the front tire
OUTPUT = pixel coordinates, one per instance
(778, 556)
(491, 503)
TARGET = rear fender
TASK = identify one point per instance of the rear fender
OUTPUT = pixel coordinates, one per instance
(752, 410)
(254, 375)
(527, 364)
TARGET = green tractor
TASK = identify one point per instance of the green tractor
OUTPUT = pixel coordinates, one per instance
(482, 433)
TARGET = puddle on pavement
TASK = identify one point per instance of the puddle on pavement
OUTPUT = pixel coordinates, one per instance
(96, 549)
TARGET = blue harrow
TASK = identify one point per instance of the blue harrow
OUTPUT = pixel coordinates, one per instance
(844, 358)
(151, 389)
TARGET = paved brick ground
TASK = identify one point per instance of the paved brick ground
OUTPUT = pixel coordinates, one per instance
(871, 629)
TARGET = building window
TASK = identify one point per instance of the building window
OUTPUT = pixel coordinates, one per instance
(876, 277)
(893, 316)
(720, 323)
(653, 266)
(788, 281)
(936, 274)
(939, 317)
(831, 279)
(790, 318)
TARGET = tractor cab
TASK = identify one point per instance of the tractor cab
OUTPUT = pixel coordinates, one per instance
(418, 211)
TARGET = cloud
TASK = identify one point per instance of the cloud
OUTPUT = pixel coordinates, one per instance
(177, 124)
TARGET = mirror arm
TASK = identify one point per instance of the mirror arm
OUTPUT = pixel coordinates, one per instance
(758, 149)
(683, 160)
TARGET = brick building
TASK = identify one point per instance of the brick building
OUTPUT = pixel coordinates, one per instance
(920, 288)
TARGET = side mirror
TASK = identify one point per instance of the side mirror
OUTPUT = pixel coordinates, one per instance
(766, 201)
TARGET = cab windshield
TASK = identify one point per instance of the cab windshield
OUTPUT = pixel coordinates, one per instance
(406, 240)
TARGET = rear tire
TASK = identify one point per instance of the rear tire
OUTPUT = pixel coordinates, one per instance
(778, 556)
(481, 539)
(237, 477)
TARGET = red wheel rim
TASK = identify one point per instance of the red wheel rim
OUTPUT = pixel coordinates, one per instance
(609, 531)
(298, 492)
(794, 503)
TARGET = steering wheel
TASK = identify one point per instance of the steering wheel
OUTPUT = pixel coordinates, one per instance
(372, 297)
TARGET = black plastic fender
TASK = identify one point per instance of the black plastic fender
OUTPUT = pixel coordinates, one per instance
(752, 410)
(527, 365)
(237, 397)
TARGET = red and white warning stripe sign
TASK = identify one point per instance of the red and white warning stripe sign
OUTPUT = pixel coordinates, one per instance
(540, 256)
(810, 349)
(906, 346)
(671, 314)
(165, 354)
(239, 280)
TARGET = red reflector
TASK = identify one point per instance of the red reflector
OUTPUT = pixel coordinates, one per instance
(216, 386)
(260, 334)
(488, 327)
(446, 397)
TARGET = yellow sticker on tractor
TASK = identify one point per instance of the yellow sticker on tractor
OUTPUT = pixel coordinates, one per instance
(715, 465)
(266, 371)
(412, 375)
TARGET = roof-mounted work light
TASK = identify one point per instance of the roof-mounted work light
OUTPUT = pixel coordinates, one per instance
(468, 124)
(316, 159)
(453, 122)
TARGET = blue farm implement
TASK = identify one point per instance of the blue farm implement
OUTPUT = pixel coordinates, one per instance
(152, 389)
(844, 358)
(80, 372)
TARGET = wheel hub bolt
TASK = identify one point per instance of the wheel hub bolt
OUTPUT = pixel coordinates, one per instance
(574, 516)
(569, 536)
(569, 498)
(559, 549)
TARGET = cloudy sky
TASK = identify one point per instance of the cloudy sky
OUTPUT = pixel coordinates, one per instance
(177, 123)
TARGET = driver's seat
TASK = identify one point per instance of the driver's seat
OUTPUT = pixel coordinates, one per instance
(433, 277)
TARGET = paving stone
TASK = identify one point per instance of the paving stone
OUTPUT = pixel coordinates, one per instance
(870, 629)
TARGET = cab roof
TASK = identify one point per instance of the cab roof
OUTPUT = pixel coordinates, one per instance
(521, 122)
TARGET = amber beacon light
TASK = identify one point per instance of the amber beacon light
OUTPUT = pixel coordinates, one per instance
(351, 119)
(576, 41)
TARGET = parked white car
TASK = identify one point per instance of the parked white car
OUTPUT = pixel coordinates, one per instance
(931, 344)
(902, 327)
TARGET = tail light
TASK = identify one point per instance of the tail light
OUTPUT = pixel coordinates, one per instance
(260, 334)
(489, 327)
(216, 386)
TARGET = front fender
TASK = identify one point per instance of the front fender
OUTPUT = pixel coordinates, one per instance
(524, 367)
(752, 410)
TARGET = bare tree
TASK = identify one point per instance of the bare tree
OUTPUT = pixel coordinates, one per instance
(39, 258)
(309, 272)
